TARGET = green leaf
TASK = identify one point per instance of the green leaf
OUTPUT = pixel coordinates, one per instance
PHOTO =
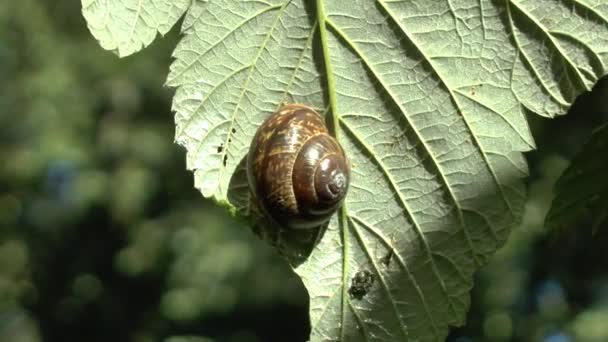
(428, 100)
(127, 26)
(582, 190)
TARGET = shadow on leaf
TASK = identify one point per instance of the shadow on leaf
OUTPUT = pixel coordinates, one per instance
(295, 245)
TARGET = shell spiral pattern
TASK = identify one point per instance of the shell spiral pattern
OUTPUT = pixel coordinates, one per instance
(297, 172)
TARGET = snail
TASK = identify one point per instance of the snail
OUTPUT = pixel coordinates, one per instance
(297, 172)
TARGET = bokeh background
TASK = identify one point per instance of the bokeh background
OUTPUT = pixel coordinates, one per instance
(104, 238)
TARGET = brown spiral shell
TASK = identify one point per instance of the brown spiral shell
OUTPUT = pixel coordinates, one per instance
(297, 172)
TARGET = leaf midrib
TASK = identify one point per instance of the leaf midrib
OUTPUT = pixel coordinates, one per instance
(331, 90)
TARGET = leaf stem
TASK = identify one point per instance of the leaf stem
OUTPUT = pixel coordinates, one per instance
(333, 127)
(331, 84)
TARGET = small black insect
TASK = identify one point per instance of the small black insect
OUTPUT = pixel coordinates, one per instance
(225, 159)
(234, 130)
(386, 260)
(220, 148)
(361, 284)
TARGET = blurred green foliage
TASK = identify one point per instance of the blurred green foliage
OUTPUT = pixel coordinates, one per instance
(581, 192)
(103, 237)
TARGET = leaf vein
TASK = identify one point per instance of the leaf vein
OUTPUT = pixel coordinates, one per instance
(403, 203)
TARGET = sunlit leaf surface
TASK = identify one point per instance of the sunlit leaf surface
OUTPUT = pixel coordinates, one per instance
(127, 26)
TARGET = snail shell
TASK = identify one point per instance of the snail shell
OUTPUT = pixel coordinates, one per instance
(297, 172)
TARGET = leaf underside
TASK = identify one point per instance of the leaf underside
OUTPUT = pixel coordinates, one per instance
(428, 99)
(127, 26)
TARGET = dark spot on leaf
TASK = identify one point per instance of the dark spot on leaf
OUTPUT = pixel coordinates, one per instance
(220, 148)
(229, 140)
(386, 260)
(547, 22)
(225, 159)
(234, 130)
(361, 284)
